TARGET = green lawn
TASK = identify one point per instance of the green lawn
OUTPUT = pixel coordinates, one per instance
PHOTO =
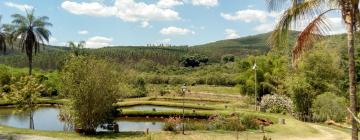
(215, 89)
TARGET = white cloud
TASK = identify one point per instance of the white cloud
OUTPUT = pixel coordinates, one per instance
(126, 10)
(231, 34)
(175, 31)
(169, 3)
(145, 24)
(98, 42)
(83, 32)
(208, 3)
(21, 7)
(249, 15)
(129, 10)
(92, 8)
(337, 26)
(265, 27)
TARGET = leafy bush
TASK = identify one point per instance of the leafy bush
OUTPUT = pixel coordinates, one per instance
(276, 104)
(5, 76)
(228, 58)
(193, 60)
(90, 84)
(230, 123)
(329, 106)
(163, 91)
(248, 121)
(140, 88)
(302, 96)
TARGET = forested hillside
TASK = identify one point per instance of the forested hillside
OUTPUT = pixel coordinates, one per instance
(52, 57)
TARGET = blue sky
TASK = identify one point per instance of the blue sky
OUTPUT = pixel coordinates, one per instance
(141, 22)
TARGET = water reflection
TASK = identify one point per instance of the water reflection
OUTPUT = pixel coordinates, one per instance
(46, 118)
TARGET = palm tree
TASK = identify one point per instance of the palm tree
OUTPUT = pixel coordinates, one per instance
(2, 38)
(314, 13)
(77, 48)
(8, 30)
(31, 32)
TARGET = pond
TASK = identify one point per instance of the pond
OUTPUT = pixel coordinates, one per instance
(46, 118)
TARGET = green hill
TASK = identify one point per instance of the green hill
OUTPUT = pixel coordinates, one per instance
(256, 44)
(51, 57)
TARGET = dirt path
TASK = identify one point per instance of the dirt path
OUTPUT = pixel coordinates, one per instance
(325, 133)
(330, 133)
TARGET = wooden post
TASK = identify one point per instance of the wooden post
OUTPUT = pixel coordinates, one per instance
(281, 121)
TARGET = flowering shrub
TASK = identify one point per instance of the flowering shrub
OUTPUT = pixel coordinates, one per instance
(276, 104)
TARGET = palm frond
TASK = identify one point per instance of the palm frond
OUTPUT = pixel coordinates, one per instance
(276, 5)
(19, 19)
(43, 34)
(312, 32)
(299, 12)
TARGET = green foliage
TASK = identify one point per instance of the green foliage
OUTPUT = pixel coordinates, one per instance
(328, 106)
(140, 88)
(228, 58)
(302, 96)
(319, 71)
(270, 74)
(25, 93)
(193, 60)
(5, 76)
(235, 122)
(90, 84)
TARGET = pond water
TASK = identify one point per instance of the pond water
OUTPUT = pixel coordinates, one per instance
(46, 118)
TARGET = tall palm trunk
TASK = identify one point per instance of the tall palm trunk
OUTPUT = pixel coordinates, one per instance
(30, 64)
(352, 80)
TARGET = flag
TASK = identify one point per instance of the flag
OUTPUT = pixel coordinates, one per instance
(254, 67)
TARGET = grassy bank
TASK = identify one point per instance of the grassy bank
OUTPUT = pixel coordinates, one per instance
(169, 104)
(43, 100)
(215, 89)
(187, 99)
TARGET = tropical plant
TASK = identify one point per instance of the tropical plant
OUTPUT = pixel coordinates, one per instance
(314, 13)
(31, 32)
(77, 48)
